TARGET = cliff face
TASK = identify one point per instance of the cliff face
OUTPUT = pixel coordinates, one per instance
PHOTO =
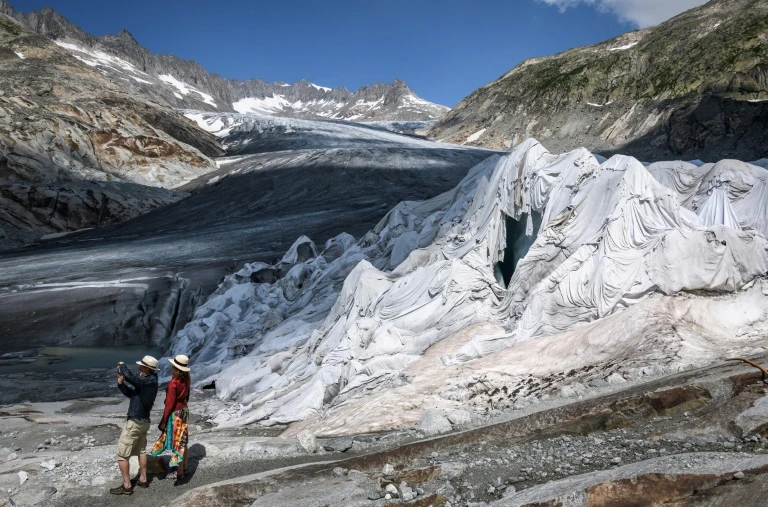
(690, 87)
(76, 149)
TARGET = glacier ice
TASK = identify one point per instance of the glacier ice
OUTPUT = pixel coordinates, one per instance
(321, 326)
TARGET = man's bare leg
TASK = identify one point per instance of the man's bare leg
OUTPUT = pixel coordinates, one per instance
(125, 470)
(142, 467)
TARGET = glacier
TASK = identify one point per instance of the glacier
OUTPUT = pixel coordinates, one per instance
(534, 259)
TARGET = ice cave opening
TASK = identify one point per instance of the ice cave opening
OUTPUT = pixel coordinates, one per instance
(517, 246)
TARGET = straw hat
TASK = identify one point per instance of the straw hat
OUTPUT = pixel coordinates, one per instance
(181, 362)
(148, 361)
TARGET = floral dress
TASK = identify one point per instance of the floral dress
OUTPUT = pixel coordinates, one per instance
(175, 421)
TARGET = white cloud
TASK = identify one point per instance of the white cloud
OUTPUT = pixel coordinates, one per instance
(641, 13)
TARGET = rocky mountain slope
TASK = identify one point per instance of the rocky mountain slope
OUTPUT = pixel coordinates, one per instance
(79, 151)
(695, 86)
(178, 83)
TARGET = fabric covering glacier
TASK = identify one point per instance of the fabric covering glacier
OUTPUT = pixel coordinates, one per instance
(323, 325)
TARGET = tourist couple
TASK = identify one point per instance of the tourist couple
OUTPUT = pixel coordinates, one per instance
(142, 390)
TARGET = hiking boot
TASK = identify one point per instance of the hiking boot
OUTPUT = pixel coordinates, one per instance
(121, 490)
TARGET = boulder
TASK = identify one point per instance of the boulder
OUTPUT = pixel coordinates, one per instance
(753, 419)
(307, 442)
(433, 423)
(459, 417)
(340, 444)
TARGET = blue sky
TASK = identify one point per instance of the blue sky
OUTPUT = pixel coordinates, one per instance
(444, 49)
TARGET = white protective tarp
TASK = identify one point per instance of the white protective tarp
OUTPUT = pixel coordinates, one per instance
(348, 320)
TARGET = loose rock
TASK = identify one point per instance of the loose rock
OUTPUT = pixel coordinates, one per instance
(307, 442)
(433, 423)
(341, 444)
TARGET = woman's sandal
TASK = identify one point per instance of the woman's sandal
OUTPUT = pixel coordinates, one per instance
(171, 475)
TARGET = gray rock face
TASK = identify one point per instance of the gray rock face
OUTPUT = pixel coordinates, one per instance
(29, 210)
(692, 87)
(76, 150)
(185, 84)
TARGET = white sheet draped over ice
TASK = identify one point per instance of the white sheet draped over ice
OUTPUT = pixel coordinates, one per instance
(287, 341)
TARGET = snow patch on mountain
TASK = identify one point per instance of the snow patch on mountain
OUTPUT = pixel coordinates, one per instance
(139, 80)
(280, 105)
(186, 89)
(625, 46)
(474, 137)
(96, 58)
(215, 124)
(389, 102)
(322, 88)
(411, 100)
(267, 105)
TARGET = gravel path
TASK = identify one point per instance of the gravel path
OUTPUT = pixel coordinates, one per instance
(162, 492)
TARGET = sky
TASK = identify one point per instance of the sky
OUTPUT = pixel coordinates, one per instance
(443, 49)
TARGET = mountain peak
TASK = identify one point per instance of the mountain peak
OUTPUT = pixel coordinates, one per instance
(6, 8)
(125, 34)
(399, 83)
(181, 84)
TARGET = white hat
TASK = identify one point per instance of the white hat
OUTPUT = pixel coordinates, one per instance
(148, 361)
(181, 362)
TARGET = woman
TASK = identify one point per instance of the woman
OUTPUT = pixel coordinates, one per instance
(173, 426)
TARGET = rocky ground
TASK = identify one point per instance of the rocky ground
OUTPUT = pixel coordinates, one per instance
(697, 437)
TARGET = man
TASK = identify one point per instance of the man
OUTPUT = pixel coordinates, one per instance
(133, 440)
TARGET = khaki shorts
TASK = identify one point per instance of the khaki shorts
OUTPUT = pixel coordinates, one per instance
(133, 440)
